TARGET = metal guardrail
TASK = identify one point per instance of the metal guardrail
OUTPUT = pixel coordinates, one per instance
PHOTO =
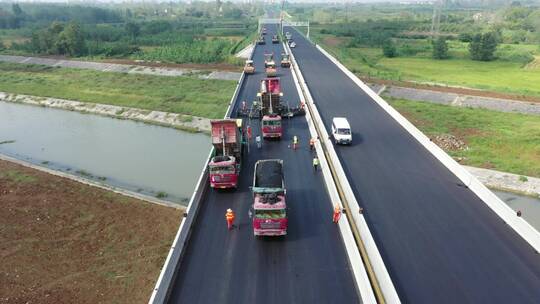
(167, 276)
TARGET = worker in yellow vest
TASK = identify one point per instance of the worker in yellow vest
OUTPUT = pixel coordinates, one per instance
(315, 163)
(229, 216)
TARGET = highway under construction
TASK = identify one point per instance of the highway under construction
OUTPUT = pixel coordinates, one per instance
(440, 237)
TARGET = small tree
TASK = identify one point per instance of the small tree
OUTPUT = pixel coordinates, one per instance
(483, 46)
(440, 48)
(389, 49)
(133, 30)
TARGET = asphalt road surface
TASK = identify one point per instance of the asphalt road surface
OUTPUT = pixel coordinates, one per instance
(439, 241)
(309, 265)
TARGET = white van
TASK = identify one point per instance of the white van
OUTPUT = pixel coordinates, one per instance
(341, 131)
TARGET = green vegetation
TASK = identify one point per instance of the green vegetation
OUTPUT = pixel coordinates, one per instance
(161, 194)
(394, 42)
(186, 95)
(502, 141)
(482, 46)
(170, 32)
(440, 48)
(17, 176)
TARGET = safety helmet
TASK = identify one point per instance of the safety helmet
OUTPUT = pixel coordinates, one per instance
(229, 210)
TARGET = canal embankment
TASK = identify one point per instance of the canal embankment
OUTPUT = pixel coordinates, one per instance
(147, 159)
(175, 120)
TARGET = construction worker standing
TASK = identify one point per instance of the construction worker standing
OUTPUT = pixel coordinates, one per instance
(229, 216)
(295, 142)
(311, 144)
(315, 163)
(337, 214)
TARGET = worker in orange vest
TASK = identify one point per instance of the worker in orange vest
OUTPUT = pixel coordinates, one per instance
(311, 143)
(337, 214)
(229, 216)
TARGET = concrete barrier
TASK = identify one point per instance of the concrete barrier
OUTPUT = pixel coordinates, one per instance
(524, 229)
(167, 276)
(373, 257)
(359, 272)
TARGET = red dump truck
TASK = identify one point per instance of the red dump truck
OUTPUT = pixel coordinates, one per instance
(270, 95)
(269, 205)
(225, 165)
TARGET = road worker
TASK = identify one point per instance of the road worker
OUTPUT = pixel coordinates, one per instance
(315, 163)
(295, 142)
(229, 216)
(259, 141)
(337, 214)
(249, 132)
(311, 143)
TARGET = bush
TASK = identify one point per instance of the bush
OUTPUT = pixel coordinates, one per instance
(440, 48)
(483, 46)
(513, 55)
(389, 49)
(465, 37)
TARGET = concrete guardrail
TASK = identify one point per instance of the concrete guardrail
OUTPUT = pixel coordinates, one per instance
(162, 290)
(359, 272)
(383, 287)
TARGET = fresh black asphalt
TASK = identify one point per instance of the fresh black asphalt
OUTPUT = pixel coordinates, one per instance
(439, 241)
(309, 265)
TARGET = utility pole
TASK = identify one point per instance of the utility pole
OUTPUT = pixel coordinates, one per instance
(436, 19)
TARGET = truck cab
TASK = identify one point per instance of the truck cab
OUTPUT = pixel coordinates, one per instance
(227, 139)
(269, 203)
(223, 172)
(270, 95)
(271, 126)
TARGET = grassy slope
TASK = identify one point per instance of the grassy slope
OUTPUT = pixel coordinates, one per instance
(502, 141)
(495, 76)
(187, 95)
(501, 76)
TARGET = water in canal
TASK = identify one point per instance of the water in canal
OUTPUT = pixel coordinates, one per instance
(132, 155)
(529, 206)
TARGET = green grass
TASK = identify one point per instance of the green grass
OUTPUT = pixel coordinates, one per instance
(186, 95)
(494, 76)
(502, 75)
(18, 177)
(502, 141)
